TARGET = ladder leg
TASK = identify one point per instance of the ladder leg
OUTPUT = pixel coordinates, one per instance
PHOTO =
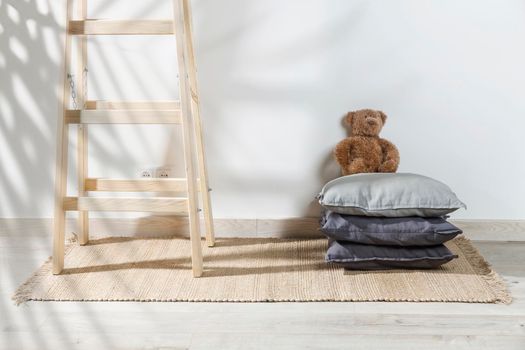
(83, 216)
(82, 141)
(59, 223)
(61, 152)
(189, 138)
(203, 169)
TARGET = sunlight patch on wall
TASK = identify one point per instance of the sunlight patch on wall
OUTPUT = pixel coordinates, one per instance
(42, 6)
(50, 39)
(31, 26)
(18, 49)
(6, 112)
(30, 107)
(13, 14)
(12, 171)
(29, 148)
(2, 60)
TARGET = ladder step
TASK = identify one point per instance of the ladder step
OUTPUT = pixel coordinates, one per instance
(136, 185)
(152, 205)
(144, 105)
(87, 116)
(121, 27)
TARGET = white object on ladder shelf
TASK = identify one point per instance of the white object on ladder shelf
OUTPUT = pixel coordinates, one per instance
(185, 112)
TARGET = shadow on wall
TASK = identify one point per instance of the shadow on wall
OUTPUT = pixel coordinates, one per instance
(27, 116)
(28, 65)
(30, 57)
(329, 169)
(272, 76)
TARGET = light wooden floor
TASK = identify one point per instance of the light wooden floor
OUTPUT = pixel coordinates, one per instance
(255, 326)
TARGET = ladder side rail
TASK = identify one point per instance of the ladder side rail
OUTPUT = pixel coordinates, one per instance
(63, 94)
(82, 133)
(188, 137)
(195, 104)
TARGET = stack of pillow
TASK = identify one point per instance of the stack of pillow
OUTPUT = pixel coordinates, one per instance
(381, 221)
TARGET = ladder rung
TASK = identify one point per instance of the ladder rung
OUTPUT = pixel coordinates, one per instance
(121, 27)
(147, 105)
(136, 185)
(153, 205)
(123, 116)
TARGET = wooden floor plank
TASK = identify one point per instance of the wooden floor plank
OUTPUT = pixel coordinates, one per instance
(202, 341)
(300, 323)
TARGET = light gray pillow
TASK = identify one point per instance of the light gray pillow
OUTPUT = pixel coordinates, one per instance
(373, 257)
(405, 231)
(390, 195)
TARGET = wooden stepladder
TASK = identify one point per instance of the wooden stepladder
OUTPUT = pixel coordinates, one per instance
(184, 112)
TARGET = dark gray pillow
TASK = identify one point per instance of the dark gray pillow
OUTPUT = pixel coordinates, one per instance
(404, 231)
(371, 257)
(390, 195)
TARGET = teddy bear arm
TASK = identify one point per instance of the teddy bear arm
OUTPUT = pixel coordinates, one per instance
(390, 157)
(342, 152)
(349, 165)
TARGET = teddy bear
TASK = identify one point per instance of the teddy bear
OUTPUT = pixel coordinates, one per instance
(364, 151)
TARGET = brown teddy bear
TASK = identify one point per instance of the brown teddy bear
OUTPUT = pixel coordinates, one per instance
(364, 151)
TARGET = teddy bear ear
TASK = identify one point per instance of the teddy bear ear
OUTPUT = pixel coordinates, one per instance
(349, 118)
(383, 116)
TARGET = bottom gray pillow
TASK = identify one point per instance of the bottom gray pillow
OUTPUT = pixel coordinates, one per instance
(371, 257)
(399, 231)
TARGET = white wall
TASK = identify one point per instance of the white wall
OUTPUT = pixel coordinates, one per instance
(276, 78)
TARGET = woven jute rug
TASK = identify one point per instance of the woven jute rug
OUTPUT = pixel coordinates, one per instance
(251, 270)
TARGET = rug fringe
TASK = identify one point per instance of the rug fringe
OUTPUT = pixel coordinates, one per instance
(484, 269)
(23, 293)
